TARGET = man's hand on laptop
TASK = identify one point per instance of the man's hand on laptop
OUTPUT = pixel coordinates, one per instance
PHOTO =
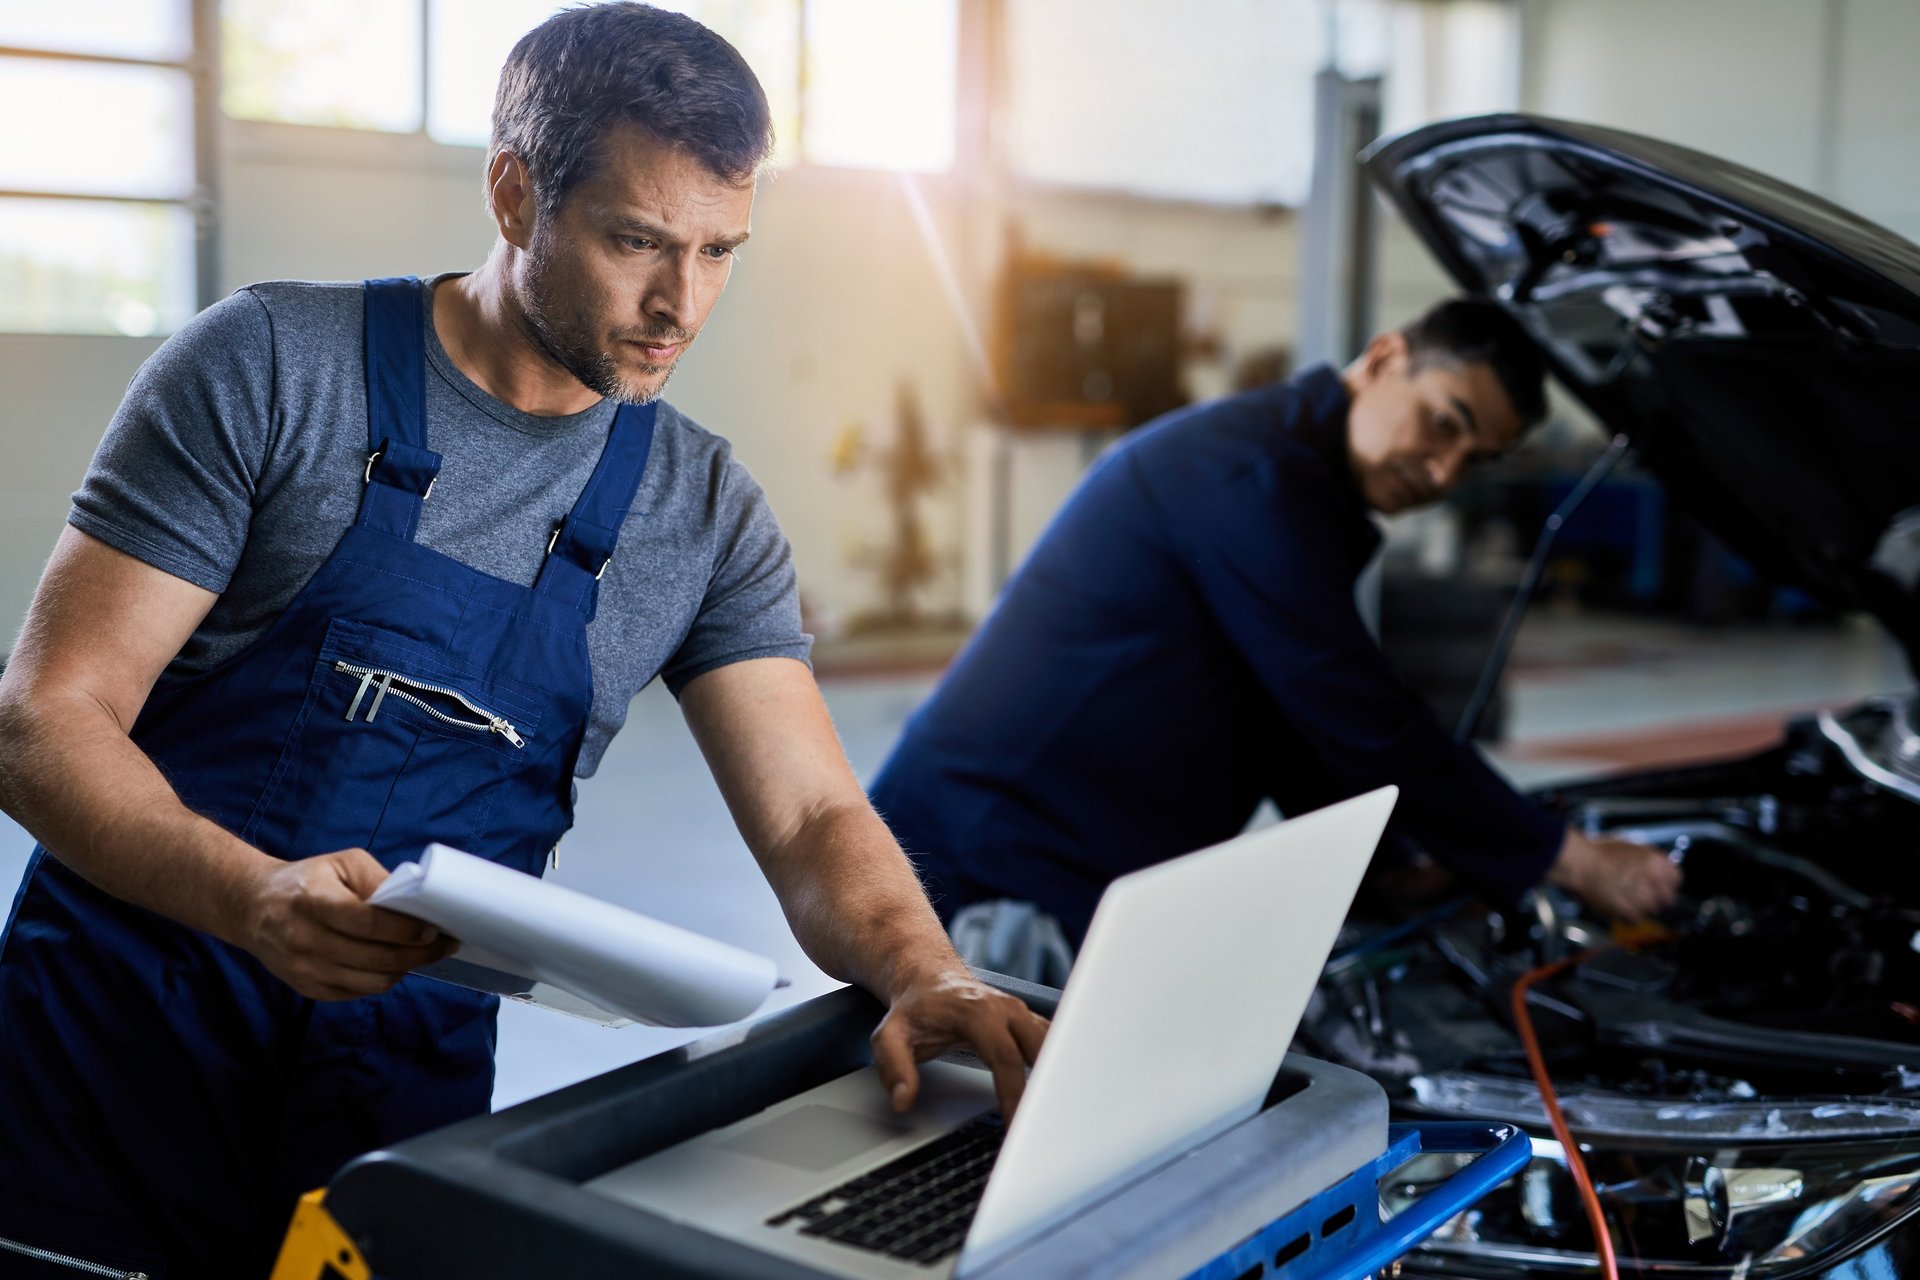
(932, 1010)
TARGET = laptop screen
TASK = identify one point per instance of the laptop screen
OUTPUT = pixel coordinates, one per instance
(1194, 975)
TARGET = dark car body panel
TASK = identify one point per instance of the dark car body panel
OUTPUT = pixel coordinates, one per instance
(1759, 345)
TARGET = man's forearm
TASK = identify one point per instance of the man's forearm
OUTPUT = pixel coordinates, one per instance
(854, 903)
(70, 775)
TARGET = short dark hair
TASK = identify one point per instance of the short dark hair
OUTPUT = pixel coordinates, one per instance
(1481, 331)
(583, 71)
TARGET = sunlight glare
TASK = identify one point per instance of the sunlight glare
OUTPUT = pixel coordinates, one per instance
(882, 84)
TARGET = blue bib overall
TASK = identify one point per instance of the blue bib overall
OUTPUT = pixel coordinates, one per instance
(163, 1098)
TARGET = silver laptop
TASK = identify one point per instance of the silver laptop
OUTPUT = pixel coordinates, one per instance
(1181, 1005)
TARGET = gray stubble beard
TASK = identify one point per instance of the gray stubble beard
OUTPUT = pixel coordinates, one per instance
(595, 369)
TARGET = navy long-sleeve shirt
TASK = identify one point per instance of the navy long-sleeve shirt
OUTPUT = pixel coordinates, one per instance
(1182, 642)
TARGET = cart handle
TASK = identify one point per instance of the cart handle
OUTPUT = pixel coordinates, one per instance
(1504, 1150)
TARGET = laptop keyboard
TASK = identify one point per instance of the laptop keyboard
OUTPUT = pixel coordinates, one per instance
(915, 1208)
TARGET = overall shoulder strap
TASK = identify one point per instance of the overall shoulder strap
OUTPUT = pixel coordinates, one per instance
(582, 546)
(400, 467)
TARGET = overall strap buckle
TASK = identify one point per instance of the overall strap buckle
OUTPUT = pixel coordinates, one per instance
(399, 478)
(554, 541)
(375, 457)
(581, 548)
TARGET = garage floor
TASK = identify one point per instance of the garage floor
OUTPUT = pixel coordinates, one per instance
(1587, 695)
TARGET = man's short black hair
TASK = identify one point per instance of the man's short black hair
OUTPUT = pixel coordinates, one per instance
(1480, 331)
(583, 71)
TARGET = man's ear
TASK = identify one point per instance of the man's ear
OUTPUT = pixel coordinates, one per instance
(510, 199)
(1384, 351)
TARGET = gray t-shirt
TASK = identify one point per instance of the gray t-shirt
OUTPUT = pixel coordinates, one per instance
(236, 462)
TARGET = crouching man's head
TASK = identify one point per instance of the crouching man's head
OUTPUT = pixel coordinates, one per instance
(1457, 387)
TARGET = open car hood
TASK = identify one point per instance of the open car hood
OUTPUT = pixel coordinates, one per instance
(1759, 345)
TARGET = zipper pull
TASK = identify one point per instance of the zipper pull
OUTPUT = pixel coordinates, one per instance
(553, 855)
(500, 726)
(386, 682)
(358, 695)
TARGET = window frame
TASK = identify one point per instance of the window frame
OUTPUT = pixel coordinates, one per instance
(202, 65)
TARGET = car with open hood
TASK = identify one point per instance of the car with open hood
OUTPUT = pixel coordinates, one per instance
(1745, 1083)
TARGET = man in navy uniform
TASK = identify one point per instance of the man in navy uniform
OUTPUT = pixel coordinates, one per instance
(1184, 642)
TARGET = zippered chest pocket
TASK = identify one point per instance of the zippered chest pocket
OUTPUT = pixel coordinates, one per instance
(448, 706)
(399, 743)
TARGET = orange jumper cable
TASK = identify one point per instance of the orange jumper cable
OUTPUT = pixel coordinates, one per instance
(1537, 1063)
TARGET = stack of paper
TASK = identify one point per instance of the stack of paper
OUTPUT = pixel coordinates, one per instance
(626, 963)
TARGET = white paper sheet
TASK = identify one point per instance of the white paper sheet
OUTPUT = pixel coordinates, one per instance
(631, 964)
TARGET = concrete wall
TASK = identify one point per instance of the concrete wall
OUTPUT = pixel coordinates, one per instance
(56, 394)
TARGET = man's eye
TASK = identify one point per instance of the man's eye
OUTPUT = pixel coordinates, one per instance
(718, 252)
(636, 242)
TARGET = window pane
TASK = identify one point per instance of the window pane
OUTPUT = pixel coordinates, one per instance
(350, 63)
(122, 130)
(1137, 96)
(882, 80)
(159, 29)
(87, 266)
(468, 42)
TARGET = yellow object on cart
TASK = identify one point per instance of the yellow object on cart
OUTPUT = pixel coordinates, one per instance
(316, 1248)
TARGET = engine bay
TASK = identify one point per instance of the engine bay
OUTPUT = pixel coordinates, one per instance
(1745, 1077)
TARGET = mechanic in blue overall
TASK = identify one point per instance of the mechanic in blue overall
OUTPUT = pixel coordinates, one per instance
(360, 567)
(1184, 642)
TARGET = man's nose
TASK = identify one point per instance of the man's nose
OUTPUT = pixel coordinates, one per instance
(672, 293)
(1446, 470)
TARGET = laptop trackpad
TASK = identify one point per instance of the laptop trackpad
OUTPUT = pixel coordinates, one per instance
(815, 1137)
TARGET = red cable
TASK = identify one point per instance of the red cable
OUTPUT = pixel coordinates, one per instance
(1537, 1063)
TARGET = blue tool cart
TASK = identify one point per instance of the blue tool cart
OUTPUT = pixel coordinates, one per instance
(1293, 1192)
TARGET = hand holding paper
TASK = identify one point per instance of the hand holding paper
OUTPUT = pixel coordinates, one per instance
(632, 964)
